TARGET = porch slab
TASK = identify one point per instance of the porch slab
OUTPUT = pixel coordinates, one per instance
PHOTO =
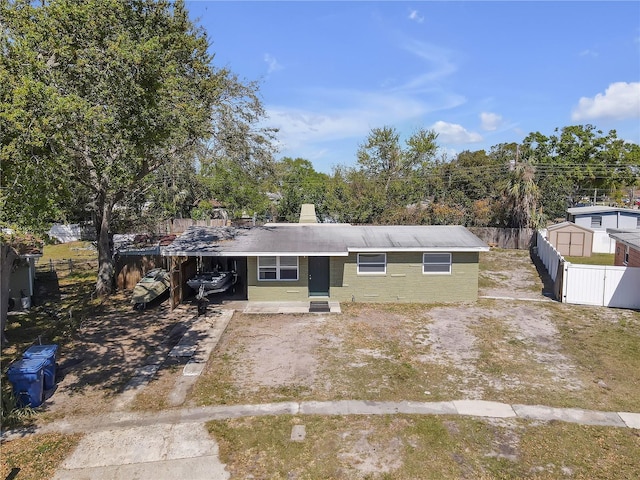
(285, 307)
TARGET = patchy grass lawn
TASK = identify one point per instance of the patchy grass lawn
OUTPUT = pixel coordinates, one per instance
(35, 457)
(594, 259)
(425, 447)
(508, 273)
(76, 251)
(55, 317)
(514, 352)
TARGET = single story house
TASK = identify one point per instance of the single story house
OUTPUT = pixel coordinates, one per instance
(339, 262)
(627, 247)
(600, 218)
(570, 239)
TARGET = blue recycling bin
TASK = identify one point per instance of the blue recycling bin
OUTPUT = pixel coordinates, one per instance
(27, 378)
(48, 352)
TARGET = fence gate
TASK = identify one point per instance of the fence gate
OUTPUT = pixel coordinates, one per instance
(602, 285)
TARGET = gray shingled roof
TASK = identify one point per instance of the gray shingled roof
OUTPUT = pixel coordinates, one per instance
(321, 240)
(631, 238)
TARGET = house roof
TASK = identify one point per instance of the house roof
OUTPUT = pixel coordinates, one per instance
(628, 237)
(322, 240)
(600, 209)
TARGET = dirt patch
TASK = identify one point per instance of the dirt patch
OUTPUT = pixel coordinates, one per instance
(511, 273)
(535, 328)
(108, 349)
(368, 455)
(276, 350)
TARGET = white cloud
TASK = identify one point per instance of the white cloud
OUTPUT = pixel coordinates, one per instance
(437, 61)
(621, 100)
(454, 133)
(345, 116)
(415, 16)
(588, 53)
(490, 121)
(272, 63)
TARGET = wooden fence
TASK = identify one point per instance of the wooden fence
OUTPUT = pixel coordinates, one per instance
(64, 266)
(511, 238)
(131, 268)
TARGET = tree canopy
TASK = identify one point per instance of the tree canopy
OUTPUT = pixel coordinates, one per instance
(97, 96)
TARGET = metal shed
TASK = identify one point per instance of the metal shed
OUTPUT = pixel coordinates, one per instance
(571, 239)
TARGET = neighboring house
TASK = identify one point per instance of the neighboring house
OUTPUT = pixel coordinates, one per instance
(570, 239)
(599, 219)
(341, 262)
(627, 247)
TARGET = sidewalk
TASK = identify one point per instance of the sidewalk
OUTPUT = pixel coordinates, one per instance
(175, 444)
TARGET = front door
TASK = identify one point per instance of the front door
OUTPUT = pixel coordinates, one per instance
(318, 276)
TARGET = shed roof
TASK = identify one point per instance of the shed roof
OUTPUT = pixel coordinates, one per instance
(322, 240)
(562, 225)
(600, 209)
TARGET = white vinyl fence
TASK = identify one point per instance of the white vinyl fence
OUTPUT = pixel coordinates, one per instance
(601, 285)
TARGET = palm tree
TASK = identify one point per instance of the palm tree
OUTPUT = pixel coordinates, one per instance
(521, 196)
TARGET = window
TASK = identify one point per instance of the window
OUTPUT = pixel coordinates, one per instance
(436, 263)
(626, 255)
(638, 222)
(277, 268)
(372, 263)
(596, 221)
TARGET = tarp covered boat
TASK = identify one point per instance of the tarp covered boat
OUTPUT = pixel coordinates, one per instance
(154, 283)
(212, 282)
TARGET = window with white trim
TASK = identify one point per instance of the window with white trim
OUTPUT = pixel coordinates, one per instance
(372, 263)
(278, 268)
(436, 263)
(596, 221)
(625, 261)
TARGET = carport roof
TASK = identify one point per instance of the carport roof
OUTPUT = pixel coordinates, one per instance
(322, 240)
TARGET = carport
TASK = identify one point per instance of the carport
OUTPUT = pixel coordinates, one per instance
(201, 250)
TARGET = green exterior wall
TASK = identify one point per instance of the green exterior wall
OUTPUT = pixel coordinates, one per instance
(403, 281)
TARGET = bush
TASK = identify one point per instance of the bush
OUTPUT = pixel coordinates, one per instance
(12, 415)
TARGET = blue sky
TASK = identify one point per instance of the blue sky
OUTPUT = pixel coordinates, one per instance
(478, 73)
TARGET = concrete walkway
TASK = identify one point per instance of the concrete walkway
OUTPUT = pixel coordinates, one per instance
(175, 444)
(470, 408)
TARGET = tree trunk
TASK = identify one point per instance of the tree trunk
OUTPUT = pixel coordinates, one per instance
(8, 256)
(106, 266)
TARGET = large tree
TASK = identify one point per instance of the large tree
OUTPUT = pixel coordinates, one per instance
(97, 95)
(395, 171)
(578, 161)
(298, 183)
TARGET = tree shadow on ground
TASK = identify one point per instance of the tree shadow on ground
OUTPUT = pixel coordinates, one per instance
(115, 341)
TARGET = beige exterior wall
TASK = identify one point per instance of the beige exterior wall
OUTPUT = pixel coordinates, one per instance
(402, 282)
(571, 240)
